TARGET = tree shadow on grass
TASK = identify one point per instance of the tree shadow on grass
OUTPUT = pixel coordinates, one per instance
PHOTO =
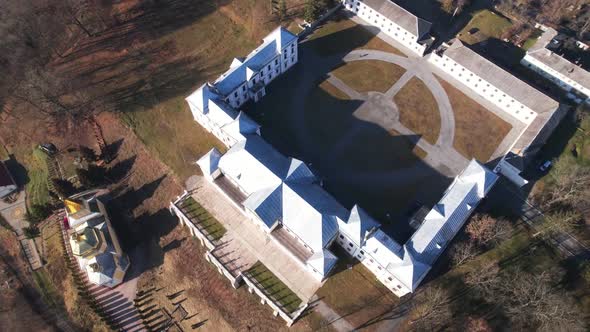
(121, 169)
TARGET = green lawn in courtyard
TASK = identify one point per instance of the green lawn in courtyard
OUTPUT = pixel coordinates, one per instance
(199, 215)
(488, 24)
(369, 75)
(273, 287)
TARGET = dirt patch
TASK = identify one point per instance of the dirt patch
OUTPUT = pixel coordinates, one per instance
(418, 110)
(369, 75)
(208, 294)
(17, 309)
(478, 132)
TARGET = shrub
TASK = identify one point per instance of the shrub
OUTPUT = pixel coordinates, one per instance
(63, 188)
(37, 213)
(31, 232)
(92, 176)
(87, 153)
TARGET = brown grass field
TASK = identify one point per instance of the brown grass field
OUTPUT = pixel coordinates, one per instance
(354, 293)
(369, 75)
(418, 110)
(478, 132)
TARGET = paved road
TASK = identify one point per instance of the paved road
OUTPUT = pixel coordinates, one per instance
(507, 195)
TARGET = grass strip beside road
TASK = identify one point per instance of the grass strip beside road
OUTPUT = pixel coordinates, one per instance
(38, 174)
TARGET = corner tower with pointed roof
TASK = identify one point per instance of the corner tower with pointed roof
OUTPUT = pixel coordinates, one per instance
(215, 105)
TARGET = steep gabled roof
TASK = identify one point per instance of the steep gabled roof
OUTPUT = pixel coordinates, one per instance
(323, 261)
(254, 164)
(500, 78)
(253, 63)
(200, 97)
(282, 36)
(358, 225)
(267, 204)
(210, 161)
(298, 171)
(242, 125)
(383, 249)
(311, 213)
(410, 271)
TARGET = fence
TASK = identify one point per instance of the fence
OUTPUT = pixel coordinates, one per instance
(277, 310)
(195, 231)
(235, 280)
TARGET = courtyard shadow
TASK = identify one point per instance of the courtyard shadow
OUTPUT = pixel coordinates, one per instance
(350, 144)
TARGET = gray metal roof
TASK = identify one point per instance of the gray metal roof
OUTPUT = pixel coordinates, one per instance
(501, 79)
(547, 109)
(400, 16)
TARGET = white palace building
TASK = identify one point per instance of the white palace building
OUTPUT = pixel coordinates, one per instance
(279, 193)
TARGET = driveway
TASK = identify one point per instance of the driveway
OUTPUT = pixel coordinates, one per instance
(14, 212)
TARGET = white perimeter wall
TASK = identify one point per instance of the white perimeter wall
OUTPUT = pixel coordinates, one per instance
(563, 81)
(485, 89)
(388, 27)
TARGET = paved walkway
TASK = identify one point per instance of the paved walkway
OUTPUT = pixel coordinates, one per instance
(381, 109)
(14, 214)
(335, 320)
(253, 240)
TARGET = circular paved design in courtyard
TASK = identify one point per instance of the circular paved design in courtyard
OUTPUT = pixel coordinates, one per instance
(415, 67)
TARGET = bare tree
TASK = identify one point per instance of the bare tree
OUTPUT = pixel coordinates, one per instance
(463, 252)
(485, 279)
(430, 309)
(531, 301)
(484, 229)
(569, 185)
(477, 324)
(561, 221)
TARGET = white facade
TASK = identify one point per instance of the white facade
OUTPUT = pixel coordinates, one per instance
(564, 81)
(393, 20)
(214, 106)
(539, 113)
(570, 77)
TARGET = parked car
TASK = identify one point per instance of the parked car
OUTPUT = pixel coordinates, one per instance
(545, 166)
(48, 148)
